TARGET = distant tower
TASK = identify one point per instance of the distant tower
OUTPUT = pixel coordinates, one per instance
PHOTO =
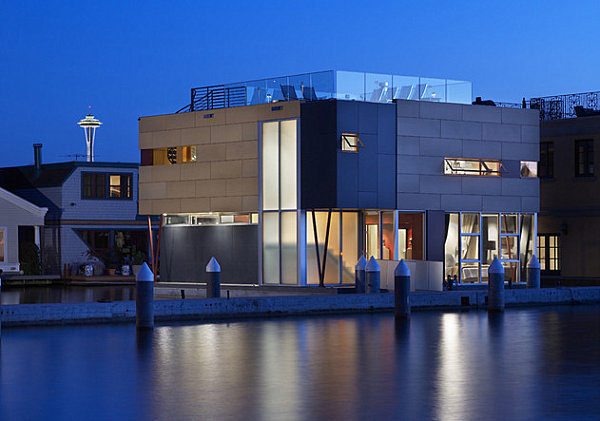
(89, 125)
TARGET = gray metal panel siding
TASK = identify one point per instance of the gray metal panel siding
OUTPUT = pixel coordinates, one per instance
(441, 130)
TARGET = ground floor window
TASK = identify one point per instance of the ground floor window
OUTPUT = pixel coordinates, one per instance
(549, 253)
(116, 247)
(473, 240)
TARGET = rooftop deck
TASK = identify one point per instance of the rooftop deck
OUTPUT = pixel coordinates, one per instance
(331, 84)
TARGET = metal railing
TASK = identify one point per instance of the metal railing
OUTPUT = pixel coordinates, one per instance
(560, 107)
(212, 97)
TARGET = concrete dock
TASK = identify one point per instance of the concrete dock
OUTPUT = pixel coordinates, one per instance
(212, 309)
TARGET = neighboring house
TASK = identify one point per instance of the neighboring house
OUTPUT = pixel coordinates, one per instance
(289, 180)
(92, 211)
(569, 222)
(20, 223)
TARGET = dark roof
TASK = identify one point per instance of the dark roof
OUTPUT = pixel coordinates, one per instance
(51, 175)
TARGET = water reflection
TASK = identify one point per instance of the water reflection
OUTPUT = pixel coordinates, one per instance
(66, 294)
(523, 364)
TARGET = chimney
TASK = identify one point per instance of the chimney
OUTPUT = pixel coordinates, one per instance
(37, 159)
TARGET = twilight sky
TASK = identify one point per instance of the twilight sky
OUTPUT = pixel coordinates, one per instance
(136, 58)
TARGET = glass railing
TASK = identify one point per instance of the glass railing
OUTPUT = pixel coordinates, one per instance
(343, 85)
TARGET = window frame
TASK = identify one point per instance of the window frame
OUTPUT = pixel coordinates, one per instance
(545, 258)
(347, 146)
(106, 176)
(483, 171)
(587, 155)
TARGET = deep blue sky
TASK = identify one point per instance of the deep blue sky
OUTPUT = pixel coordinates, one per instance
(131, 59)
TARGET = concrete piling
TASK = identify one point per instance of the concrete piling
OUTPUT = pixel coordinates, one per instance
(144, 298)
(373, 276)
(496, 286)
(213, 286)
(360, 275)
(402, 291)
(533, 273)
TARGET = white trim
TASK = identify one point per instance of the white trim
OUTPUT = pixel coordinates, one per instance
(22, 203)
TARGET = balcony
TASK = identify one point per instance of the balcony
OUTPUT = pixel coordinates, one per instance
(331, 84)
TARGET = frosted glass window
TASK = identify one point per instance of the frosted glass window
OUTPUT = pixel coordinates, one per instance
(271, 248)
(288, 169)
(270, 165)
(289, 253)
(349, 246)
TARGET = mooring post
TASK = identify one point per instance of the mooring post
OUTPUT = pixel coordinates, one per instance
(373, 276)
(533, 273)
(496, 286)
(360, 275)
(402, 291)
(144, 298)
(213, 286)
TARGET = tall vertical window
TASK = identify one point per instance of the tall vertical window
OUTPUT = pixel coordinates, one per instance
(549, 252)
(279, 202)
(584, 158)
(546, 167)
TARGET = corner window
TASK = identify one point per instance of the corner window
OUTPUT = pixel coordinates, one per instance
(529, 169)
(546, 165)
(351, 142)
(469, 166)
(584, 158)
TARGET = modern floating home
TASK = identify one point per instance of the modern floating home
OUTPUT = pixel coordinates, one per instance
(287, 181)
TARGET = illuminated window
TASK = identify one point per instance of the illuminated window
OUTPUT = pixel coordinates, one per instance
(351, 142)
(468, 166)
(172, 155)
(529, 169)
(549, 252)
(120, 186)
(94, 186)
(188, 154)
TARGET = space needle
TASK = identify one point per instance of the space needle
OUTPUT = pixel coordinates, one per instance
(89, 125)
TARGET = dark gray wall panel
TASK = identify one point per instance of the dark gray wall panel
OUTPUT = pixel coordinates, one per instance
(318, 152)
(436, 235)
(185, 251)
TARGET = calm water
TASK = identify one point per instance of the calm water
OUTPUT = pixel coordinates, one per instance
(535, 364)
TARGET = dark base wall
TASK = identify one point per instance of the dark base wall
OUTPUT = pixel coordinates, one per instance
(186, 250)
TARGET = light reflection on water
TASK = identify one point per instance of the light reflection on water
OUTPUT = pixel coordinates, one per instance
(523, 365)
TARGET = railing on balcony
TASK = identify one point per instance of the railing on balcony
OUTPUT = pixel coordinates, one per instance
(331, 84)
(560, 107)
